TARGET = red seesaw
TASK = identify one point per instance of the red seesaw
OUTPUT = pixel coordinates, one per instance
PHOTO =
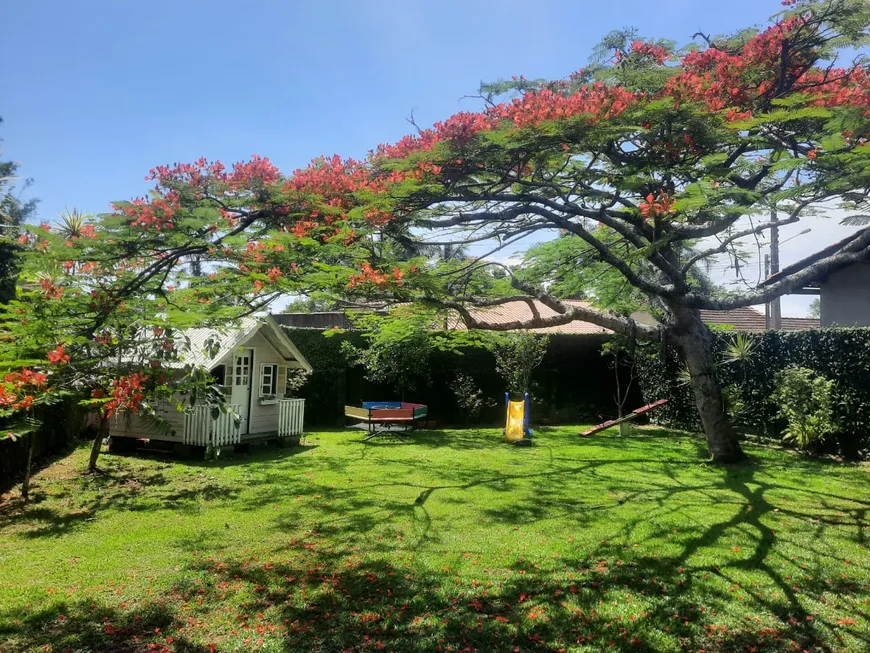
(613, 422)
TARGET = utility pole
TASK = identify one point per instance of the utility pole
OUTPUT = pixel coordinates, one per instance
(774, 308)
(767, 320)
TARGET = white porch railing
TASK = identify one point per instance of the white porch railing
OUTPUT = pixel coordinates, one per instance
(201, 429)
(291, 414)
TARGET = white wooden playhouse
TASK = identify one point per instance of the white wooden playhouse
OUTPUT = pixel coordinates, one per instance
(251, 364)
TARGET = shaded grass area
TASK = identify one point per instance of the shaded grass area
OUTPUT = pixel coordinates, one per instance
(451, 541)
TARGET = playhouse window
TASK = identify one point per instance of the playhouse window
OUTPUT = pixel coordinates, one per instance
(268, 380)
(243, 369)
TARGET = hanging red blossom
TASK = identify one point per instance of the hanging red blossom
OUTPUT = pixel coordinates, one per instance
(652, 207)
(58, 356)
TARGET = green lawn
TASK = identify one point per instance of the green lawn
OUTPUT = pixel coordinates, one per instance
(453, 541)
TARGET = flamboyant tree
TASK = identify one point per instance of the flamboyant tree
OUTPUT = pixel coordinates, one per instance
(653, 163)
(649, 163)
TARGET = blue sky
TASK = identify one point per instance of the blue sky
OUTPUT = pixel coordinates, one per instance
(95, 93)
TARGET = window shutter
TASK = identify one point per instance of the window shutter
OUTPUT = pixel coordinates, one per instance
(281, 385)
(262, 380)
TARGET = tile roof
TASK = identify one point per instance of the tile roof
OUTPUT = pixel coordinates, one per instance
(742, 319)
(750, 319)
(519, 311)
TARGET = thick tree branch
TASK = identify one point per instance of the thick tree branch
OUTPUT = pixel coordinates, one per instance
(793, 217)
(855, 251)
(564, 314)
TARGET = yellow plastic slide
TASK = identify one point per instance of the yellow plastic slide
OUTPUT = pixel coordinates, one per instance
(516, 418)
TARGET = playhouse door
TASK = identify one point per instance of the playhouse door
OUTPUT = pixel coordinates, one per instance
(241, 395)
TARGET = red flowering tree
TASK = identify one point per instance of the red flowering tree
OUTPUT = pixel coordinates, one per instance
(66, 335)
(102, 303)
(654, 161)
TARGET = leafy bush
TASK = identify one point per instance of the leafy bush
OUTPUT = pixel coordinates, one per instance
(296, 380)
(516, 357)
(470, 397)
(397, 353)
(804, 400)
(841, 355)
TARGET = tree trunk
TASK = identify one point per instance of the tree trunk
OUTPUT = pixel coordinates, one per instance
(695, 343)
(25, 486)
(98, 443)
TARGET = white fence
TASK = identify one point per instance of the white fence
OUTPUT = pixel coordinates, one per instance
(291, 414)
(201, 429)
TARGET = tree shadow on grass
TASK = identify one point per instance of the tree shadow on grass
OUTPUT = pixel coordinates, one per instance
(334, 589)
(83, 625)
(132, 483)
(83, 498)
(309, 595)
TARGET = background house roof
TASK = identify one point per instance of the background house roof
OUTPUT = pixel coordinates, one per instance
(519, 310)
(742, 319)
(750, 319)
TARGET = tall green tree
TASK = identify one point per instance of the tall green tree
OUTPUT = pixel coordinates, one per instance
(14, 211)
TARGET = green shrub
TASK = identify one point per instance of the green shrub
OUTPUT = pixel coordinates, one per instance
(470, 397)
(804, 399)
(841, 355)
(516, 357)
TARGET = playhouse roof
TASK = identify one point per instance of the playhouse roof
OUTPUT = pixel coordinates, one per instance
(232, 337)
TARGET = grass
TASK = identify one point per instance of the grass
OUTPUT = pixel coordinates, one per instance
(452, 541)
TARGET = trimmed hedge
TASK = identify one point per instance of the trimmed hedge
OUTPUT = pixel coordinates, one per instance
(573, 384)
(841, 355)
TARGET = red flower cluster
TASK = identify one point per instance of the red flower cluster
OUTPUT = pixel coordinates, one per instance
(26, 378)
(50, 290)
(157, 214)
(461, 127)
(595, 101)
(127, 393)
(369, 275)
(652, 208)
(724, 79)
(259, 171)
(58, 356)
(656, 52)
(23, 385)
(303, 228)
(333, 178)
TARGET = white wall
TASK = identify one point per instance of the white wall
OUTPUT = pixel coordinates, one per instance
(263, 419)
(127, 424)
(845, 297)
